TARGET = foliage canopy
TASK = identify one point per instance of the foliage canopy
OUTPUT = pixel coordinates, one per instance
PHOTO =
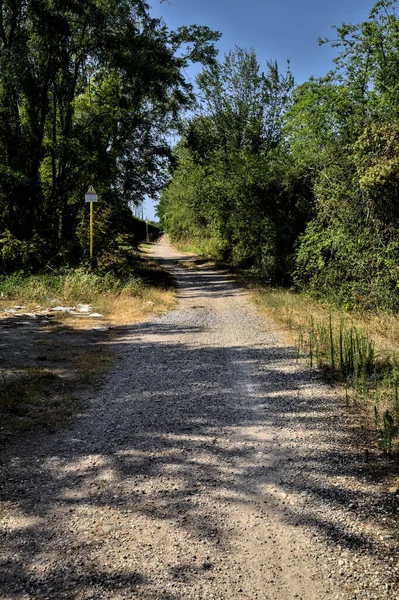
(89, 91)
(300, 183)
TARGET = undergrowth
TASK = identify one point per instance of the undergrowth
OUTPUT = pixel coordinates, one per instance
(73, 286)
(358, 350)
(125, 282)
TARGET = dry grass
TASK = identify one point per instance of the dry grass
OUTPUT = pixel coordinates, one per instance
(116, 309)
(372, 397)
(148, 290)
(293, 311)
(124, 309)
(76, 356)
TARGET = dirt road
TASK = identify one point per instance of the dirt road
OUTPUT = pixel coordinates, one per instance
(210, 465)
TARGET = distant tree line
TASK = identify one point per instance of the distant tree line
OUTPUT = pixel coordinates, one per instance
(299, 183)
(89, 93)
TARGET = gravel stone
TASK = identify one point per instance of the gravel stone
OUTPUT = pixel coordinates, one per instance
(210, 465)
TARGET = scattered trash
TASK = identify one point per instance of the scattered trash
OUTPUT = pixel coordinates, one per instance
(100, 328)
(80, 310)
(150, 303)
(83, 308)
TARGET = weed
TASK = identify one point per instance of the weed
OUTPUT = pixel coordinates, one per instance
(344, 347)
(388, 432)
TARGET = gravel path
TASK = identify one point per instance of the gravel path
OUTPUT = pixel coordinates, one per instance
(209, 466)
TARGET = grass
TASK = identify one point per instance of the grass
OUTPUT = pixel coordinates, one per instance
(122, 294)
(32, 399)
(358, 351)
(123, 291)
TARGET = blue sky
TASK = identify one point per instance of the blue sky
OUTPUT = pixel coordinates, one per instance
(279, 29)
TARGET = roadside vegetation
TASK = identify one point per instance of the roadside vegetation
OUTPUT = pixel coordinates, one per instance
(122, 286)
(51, 360)
(356, 351)
(297, 188)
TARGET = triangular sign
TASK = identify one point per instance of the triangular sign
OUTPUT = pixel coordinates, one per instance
(91, 195)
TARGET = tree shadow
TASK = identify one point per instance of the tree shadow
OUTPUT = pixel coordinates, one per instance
(146, 455)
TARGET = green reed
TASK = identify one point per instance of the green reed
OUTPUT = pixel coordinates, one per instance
(347, 353)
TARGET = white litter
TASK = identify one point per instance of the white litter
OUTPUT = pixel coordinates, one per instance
(100, 328)
(83, 308)
(62, 308)
(95, 315)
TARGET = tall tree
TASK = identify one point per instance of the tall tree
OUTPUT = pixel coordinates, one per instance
(88, 90)
(344, 128)
(233, 156)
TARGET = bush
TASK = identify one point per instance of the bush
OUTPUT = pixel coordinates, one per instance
(16, 255)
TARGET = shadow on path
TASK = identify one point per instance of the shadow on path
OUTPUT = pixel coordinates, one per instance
(156, 452)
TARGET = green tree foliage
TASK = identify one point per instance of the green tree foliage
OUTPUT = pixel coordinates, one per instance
(235, 186)
(301, 182)
(89, 90)
(344, 131)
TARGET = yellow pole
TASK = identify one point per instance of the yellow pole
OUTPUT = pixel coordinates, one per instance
(91, 230)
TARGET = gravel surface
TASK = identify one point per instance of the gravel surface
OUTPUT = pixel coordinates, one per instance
(210, 465)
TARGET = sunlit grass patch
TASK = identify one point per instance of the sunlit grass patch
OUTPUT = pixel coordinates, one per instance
(121, 294)
(76, 285)
(126, 308)
(359, 350)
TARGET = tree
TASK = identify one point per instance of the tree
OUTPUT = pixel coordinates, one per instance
(233, 165)
(343, 129)
(89, 90)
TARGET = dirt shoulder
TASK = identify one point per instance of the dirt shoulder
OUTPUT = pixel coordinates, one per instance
(53, 354)
(46, 366)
